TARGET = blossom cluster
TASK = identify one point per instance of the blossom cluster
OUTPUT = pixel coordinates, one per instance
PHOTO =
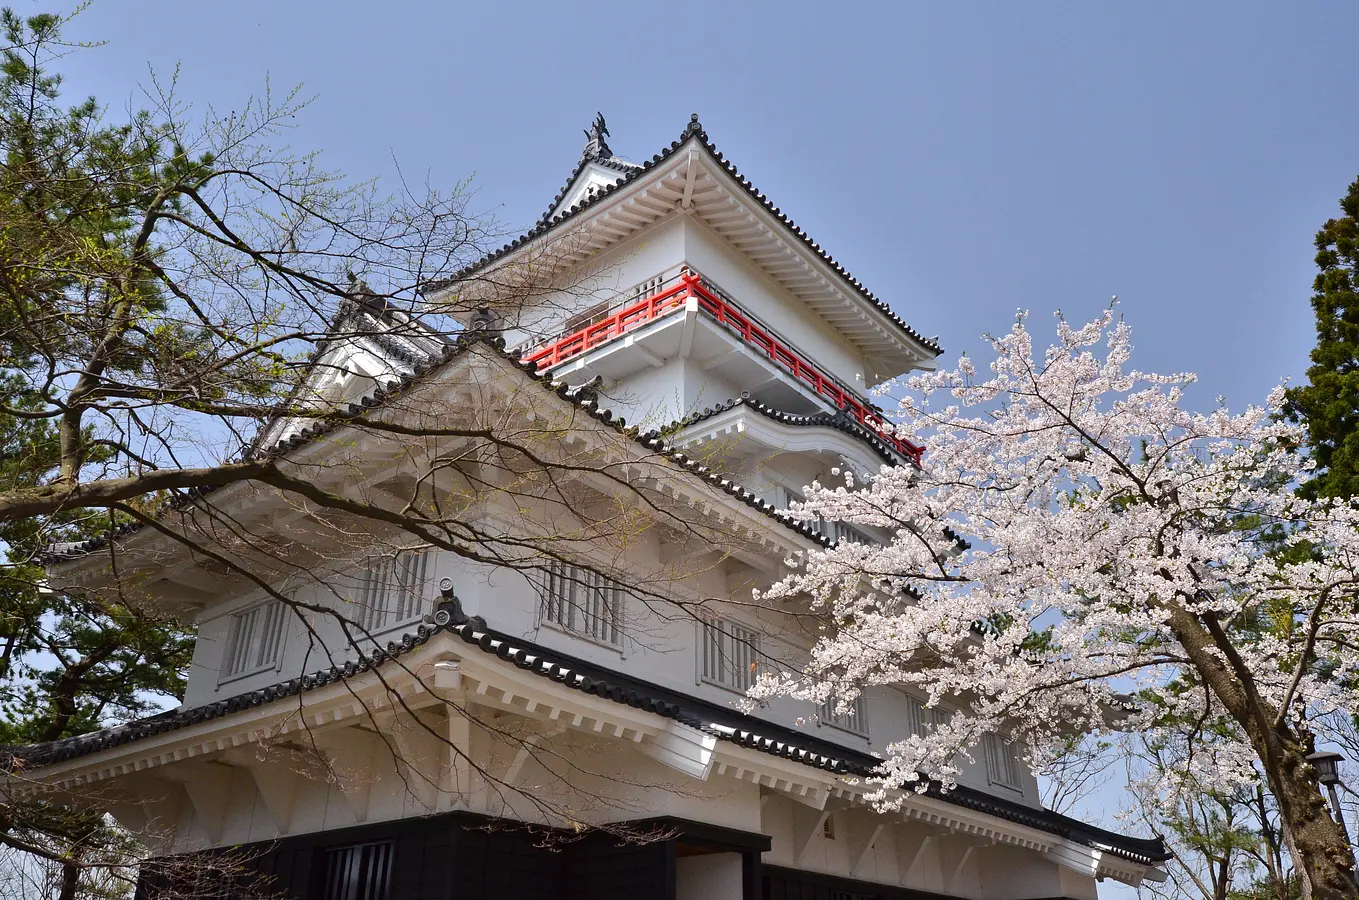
(1069, 507)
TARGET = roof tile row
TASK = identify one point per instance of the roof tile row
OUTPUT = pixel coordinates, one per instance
(693, 130)
(723, 723)
(586, 402)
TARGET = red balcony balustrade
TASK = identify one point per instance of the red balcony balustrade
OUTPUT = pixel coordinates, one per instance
(714, 302)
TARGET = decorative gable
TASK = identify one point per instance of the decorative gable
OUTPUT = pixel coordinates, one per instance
(369, 343)
(597, 170)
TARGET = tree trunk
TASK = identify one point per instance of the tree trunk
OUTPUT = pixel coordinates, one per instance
(70, 881)
(1322, 856)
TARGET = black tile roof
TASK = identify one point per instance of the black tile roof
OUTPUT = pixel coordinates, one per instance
(837, 421)
(421, 368)
(722, 722)
(631, 172)
(609, 162)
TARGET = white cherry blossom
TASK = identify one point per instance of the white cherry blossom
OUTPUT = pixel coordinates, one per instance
(1082, 551)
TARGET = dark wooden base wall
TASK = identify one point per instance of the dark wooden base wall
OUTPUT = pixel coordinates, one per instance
(462, 856)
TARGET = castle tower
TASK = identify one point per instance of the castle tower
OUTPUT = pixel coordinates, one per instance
(472, 694)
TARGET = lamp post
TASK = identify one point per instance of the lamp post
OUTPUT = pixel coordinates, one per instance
(1327, 765)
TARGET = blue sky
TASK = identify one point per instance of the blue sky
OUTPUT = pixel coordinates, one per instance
(963, 159)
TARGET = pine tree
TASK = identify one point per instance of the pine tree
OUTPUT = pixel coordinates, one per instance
(1329, 404)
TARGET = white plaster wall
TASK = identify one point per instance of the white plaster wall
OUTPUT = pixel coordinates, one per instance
(712, 876)
(763, 298)
(661, 646)
(607, 278)
(657, 396)
(665, 248)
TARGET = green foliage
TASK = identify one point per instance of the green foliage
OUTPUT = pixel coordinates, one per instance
(1328, 405)
(68, 189)
(1269, 889)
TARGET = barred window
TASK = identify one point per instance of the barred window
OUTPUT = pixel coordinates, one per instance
(255, 639)
(855, 721)
(1002, 765)
(583, 602)
(728, 654)
(836, 531)
(359, 872)
(840, 532)
(916, 717)
(785, 496)
(922, 720)
(393, 590)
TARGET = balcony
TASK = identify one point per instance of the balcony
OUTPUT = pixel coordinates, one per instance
(663, 297)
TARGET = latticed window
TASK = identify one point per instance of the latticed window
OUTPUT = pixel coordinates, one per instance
(1002, 766)
(255, 639)
(785, 497)
(921, 720)
(649, 288)
(359, 872)
(854, 721)
(728, 654)
(393, 590)
(583, 602)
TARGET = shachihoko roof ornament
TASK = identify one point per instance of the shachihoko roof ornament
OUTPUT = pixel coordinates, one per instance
(595, 145)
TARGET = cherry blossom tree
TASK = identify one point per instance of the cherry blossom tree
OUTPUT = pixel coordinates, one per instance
(1082, 552)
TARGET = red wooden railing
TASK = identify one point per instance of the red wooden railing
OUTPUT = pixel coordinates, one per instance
(714, 301)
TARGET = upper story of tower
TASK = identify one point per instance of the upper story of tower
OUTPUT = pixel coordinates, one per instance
(679, 289)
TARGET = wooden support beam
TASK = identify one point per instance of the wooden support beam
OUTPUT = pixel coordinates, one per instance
(352, 756)
(459, 776)
(690, 172)
(130, 814)
(914, 841)
(276, 782)
(690, 320)
(208, 786)
(642, 353)
(955, 852)
(861, 834)
(804, 836)
(421, 756)
(526, 749)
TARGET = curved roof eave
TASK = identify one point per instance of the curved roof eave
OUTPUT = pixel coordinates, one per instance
(721, 722)
(693, 132)
(587, 403)
(816, 420)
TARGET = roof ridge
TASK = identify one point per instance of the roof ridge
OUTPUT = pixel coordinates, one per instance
(599, 681)
(694, 129)
(586, 401)
(824, 419)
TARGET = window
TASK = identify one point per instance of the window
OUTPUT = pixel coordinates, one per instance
(916, 716)
(255, 639)
(393, 590)
(587, 317)
(922, 720)
(785, 497)
(839, 532)
(649, 288)
(728, 654)
(1002, 765)
(584, 603)
(855, 721)
(359, 872)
